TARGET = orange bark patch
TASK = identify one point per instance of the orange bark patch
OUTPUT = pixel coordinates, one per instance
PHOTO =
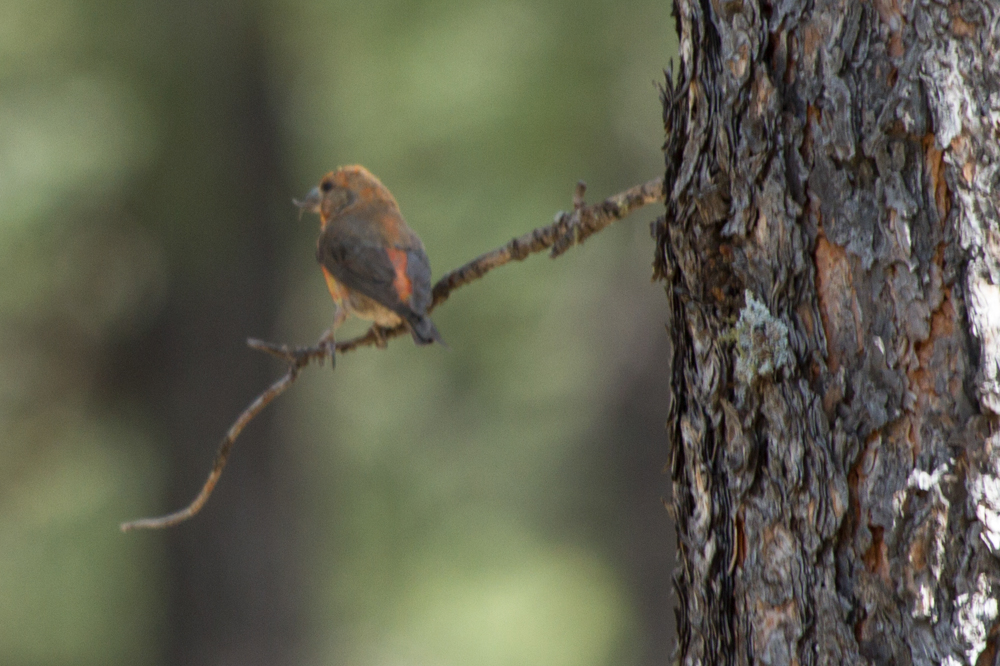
(738, 65)
(812, 39)
(960, 150)
(896, 48)
(918, 555)
(401, 283)
(838, 308)
(876, 557)
(959, 26)
(942, 326)
(770, 619)
(892, 14)
(933, 158)
(969, 171)
(934, 364)
(923, 379)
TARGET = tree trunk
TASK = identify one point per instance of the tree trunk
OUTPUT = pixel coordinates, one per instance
(832, 259)
(233, 593)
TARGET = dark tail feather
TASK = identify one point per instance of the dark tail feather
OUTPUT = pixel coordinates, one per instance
(424, 331)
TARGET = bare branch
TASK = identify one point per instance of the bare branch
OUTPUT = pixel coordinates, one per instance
(259, 403)
(567, 230)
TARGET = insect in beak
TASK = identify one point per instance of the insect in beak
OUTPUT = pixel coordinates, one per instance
(310, 203)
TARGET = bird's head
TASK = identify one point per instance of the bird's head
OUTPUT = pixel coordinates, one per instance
(341, 188)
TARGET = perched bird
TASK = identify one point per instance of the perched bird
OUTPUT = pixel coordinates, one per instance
(375, 266)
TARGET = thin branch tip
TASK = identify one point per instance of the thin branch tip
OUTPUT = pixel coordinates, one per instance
(578, 194)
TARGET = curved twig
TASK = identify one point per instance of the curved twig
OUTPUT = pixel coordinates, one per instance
(566, 230)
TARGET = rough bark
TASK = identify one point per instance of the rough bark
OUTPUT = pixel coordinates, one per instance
(832, 259)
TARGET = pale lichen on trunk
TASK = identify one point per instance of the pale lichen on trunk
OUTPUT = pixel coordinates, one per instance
(832, 166)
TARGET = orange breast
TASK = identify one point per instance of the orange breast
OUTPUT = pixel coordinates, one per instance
(338, 291)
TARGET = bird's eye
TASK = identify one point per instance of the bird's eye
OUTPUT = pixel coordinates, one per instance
(325, 186)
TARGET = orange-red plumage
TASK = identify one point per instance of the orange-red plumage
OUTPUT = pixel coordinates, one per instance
(337, 290)
(402, 283)
(374, 265)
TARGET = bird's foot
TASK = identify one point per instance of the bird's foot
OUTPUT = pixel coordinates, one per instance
(328, 344)
(379, 334)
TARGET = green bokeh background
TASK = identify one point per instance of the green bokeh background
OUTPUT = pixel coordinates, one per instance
(493, 503)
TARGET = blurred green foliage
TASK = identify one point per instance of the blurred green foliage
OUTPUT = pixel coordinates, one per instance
(449, 502)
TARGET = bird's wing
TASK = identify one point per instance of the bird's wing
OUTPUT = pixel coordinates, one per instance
(382, 274)
(418, 269)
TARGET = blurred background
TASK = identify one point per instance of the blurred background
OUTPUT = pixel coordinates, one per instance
(498, 502)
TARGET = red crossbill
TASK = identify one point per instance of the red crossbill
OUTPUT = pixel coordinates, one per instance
(375, 266)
